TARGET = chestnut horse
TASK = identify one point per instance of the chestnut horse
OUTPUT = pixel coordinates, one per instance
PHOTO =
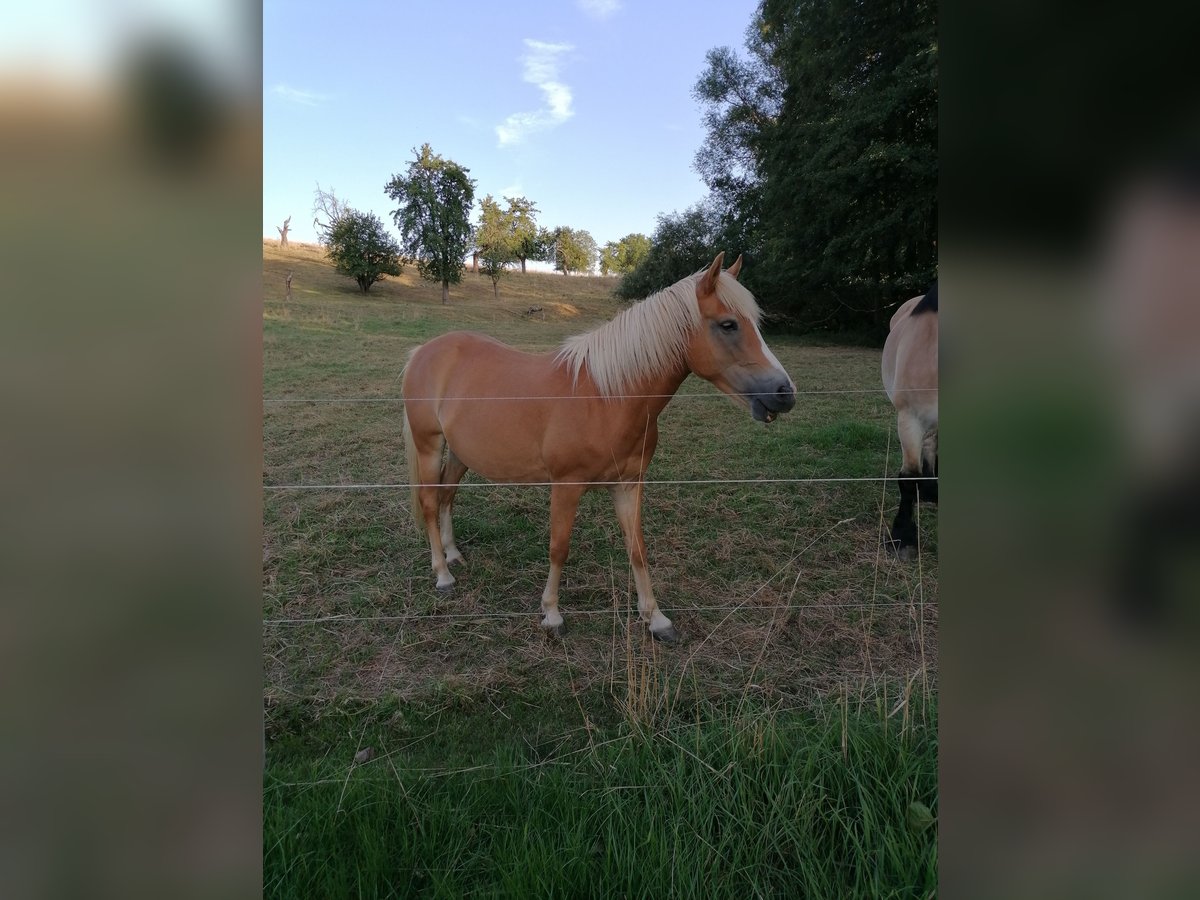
(584, 417)
(910, 377)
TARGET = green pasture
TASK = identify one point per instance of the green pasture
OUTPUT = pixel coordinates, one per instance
(786, 748)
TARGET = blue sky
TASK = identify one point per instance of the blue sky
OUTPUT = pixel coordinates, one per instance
(583, 106)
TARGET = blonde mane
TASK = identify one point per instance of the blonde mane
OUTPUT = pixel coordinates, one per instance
(650, 337)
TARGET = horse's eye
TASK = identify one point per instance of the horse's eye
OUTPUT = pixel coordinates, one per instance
(729, 325)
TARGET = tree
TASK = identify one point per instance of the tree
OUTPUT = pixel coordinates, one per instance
(623, 256)
(574, 250)
(741, 97)
(522, 215)
(360, 247)
(283, 232)
(850, 176)
(495, 240)
(434, 216)
(682, 244)
(821, 155)
(327, 209)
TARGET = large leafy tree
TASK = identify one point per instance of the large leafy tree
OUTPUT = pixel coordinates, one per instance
(574, 250)
(358, 246)
(623, 256)
(495, 241)
(741, 98)
(434, 216)
(821, 155)
(850, 188)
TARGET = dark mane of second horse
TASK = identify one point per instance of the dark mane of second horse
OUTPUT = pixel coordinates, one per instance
(928, 303)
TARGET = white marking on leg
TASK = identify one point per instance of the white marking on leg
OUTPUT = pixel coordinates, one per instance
(447, 529)
(436, 552)
(551, 617)
(627, 502)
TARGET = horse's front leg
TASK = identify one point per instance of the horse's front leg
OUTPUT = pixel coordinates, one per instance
(564, 501)
(627, 498)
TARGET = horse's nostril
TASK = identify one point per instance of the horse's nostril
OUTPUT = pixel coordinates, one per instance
(786, 394)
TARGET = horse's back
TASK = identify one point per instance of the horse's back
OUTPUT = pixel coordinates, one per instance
(472, 365)
(910, 355)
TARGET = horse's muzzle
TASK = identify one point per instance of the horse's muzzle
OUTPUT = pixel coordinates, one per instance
(766, 405)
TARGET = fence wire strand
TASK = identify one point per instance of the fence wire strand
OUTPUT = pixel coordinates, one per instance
(534, 613)
(687, 395)
(874, 479)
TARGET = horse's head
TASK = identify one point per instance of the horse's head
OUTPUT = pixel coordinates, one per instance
(728, 349)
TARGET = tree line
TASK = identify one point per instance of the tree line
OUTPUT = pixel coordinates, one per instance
(435, 197)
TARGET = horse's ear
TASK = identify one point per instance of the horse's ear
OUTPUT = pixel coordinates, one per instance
(708, 281)
(736, 267)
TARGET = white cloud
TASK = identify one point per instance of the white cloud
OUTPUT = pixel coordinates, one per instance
(541, 68)
(298, 95)
(599, 9)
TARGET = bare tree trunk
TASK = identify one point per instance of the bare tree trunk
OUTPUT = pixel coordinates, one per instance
(288, 283)
(475, 262)
(496, 289)
(522, 265)
(445, 292)
(283, 232)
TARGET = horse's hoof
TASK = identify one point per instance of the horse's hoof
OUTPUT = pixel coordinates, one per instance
(555, 631)
(445, 588)
(902, 552)
(668, 635)
(454, 560)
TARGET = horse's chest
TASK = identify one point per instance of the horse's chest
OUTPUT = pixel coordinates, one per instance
(608, 450)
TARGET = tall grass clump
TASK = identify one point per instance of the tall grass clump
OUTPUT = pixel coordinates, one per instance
(837, 802)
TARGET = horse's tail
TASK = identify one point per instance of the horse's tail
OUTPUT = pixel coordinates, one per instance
(410, 452)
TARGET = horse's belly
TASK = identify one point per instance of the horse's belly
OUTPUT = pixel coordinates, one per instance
(498, 447)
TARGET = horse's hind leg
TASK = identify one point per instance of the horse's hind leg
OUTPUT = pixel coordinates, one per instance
(429, 466)
(627, 498)
(564, 501)
(928, 489)
(912, 438)
(452, 474)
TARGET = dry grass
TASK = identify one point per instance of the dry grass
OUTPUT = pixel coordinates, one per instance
(817, 609)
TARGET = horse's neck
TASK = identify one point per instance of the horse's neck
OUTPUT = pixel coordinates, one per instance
(650, 396)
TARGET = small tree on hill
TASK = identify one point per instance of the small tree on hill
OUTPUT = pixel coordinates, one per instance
(434, 217)
(359, 247)
(623, 256)
(495, 241)
(682, 243)
(522, 219)
(574, 250)
(327, 209)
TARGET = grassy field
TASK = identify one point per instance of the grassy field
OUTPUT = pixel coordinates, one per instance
(778, 751)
